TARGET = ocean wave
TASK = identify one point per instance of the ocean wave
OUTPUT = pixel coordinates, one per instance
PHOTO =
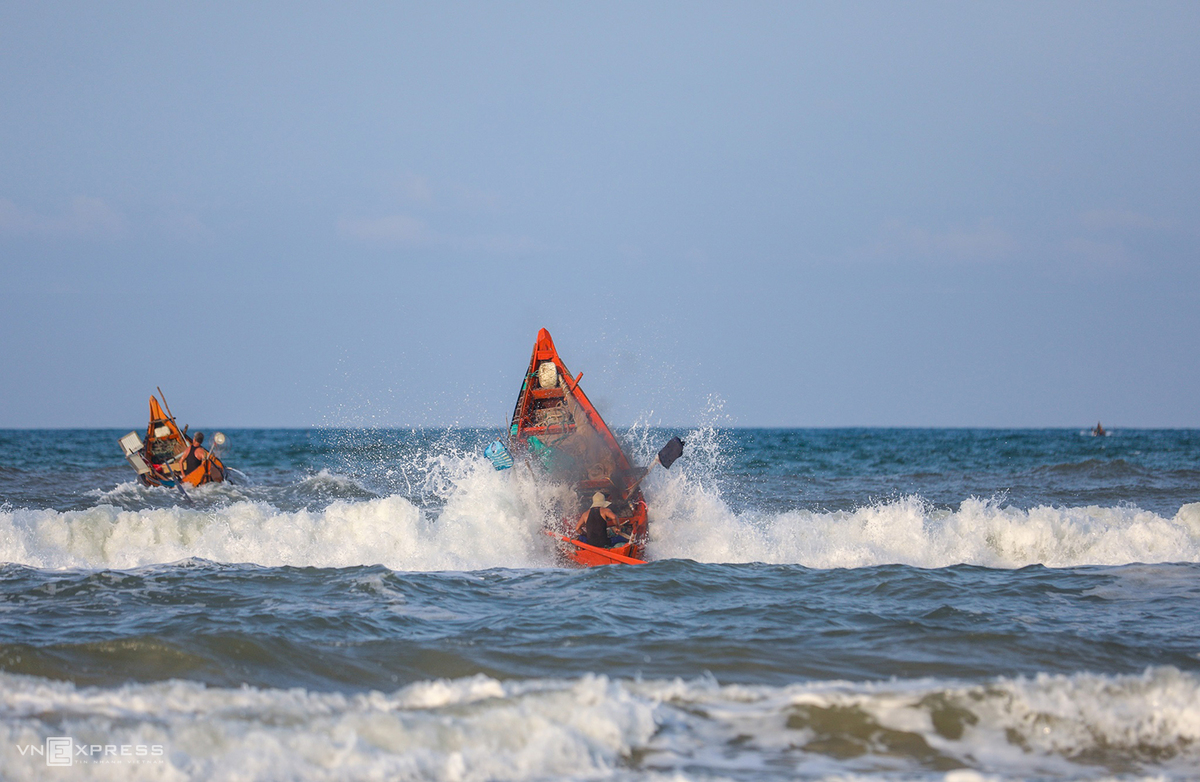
(478, 728)
(466, 516)
(692, 521)
(392, 531)
(324, 480)
(307, 488)
(493, 522)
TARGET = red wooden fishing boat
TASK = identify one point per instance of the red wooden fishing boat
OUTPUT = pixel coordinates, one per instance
(160, 460)
(556, 426)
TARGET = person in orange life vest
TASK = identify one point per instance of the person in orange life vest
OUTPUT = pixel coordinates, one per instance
(595, 521)
(195, 455)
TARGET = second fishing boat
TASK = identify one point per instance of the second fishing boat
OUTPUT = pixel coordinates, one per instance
(168, 457)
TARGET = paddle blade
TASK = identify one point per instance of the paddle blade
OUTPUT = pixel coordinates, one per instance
(670, 452)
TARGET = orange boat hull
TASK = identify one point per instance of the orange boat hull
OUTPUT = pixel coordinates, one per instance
(162, 453)
(590, 556)
(554, 423)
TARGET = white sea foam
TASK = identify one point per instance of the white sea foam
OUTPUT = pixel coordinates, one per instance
(1078, 726)
(326, 479)
(503, 529)
(691, 521)
(132, 494)
(122, 491)
(488, 519)
(468, 516)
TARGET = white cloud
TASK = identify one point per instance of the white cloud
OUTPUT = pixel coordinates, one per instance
(396, 230)
(417, 202)
(417, 188)
(1102, 219)
(186, 226)
(87, 217)
(984, 242)
(404, 230)
(421, 192)
(1108, 255)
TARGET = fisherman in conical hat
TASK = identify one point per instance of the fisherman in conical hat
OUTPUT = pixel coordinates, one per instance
(595, 521)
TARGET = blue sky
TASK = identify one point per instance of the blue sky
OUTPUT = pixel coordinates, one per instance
(781, 214)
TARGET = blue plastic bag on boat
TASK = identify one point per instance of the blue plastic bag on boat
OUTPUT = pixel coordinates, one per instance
(498, 454)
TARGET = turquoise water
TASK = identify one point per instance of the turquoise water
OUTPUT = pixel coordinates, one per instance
(866, 603)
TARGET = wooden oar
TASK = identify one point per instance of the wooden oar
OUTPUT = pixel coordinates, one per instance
(164, 401)
(601, 552)
(178, 482)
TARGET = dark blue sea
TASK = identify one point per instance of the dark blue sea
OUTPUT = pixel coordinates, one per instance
(821, 604)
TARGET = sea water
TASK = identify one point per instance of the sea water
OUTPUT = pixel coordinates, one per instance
(820, 604)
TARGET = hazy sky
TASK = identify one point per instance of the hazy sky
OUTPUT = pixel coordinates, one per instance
(958, 214)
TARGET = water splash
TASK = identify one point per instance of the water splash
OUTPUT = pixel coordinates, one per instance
(478, 728)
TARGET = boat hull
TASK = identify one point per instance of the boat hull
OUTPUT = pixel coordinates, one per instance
(162, 452)
(211, 471)
(558, 431)
(581, 553)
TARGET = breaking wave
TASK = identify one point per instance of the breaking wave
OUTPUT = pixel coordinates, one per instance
(478, 728)
(910, 531)
(469, 533)
(486, 520)
(457, 513)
